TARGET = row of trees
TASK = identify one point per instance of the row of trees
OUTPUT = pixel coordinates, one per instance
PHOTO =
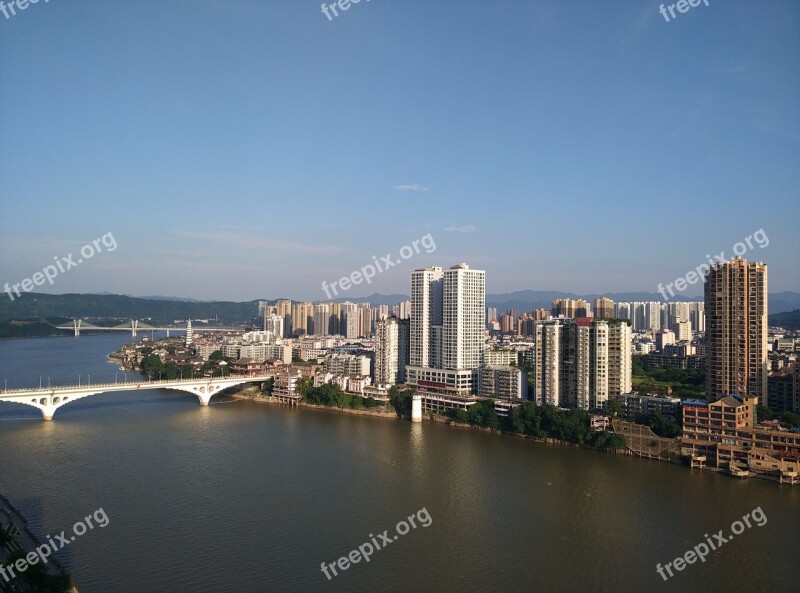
(570, 426)
(687, 383)
(333, 396)
(790, 419)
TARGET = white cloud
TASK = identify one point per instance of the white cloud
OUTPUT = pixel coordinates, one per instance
(411, 187)
(469, 228)
(253, 241)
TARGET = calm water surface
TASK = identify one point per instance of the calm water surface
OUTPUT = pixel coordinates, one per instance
(246, 497)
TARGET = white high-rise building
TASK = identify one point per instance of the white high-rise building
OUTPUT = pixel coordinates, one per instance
(405, 310)
(464, 318)
(448, 319)
(697, 316)
(426, 314)
(274, 324)
(386, 351)
(620, 361)
(598, 366)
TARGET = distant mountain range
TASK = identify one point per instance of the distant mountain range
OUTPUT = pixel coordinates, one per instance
(33, 306)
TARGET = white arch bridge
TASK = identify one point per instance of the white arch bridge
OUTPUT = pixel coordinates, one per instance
(49, 399)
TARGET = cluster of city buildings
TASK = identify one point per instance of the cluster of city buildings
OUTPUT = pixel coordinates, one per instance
(453, 351)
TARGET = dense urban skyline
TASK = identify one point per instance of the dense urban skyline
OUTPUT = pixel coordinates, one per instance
(266, 149)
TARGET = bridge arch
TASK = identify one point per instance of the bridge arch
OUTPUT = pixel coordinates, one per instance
(49, 400)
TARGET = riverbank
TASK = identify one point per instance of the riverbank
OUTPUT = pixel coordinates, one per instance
(20, 539)
(253, 394)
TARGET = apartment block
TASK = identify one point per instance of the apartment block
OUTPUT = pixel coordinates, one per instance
(387, 357)
(736, 329)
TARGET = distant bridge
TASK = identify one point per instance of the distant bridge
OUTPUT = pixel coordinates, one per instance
(49, 399)
(135, 326)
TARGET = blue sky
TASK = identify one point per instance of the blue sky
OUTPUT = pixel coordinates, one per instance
(249, 149)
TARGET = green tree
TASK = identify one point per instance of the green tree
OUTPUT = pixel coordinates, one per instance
(304, 384)
(457, 414)
(400, 400)
(613, 409)
(269, 386)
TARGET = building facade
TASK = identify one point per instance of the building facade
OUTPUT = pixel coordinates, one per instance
(736, 329)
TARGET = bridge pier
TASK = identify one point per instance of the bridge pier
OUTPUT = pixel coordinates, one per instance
(47, 405)
(204, 393)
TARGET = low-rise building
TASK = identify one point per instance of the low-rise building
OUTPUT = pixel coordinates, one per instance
(506, 382)
(783, 394)
(647, 405)
(598, 422)
(724, 434)
(247, 367)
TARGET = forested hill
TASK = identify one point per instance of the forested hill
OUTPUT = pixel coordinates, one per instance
(33, 306)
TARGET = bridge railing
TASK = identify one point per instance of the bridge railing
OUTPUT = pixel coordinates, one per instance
(148, 382)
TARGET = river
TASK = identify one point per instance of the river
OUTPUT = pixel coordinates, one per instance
(247, 497)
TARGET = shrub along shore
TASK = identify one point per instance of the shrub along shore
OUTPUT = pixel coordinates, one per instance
(545, 423)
